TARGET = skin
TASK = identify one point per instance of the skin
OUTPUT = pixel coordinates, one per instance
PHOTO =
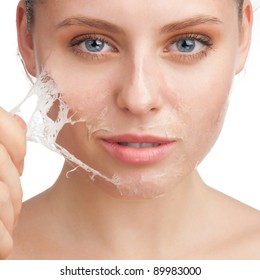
(121, 77)
(175, 216)
(11, 162)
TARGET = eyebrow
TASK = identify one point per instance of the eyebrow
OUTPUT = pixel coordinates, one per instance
(90, 22)
(191, 22)
(109, 27)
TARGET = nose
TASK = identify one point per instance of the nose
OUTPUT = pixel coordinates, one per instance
(140, 90)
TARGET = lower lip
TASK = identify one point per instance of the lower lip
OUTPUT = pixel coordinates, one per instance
(138, 155)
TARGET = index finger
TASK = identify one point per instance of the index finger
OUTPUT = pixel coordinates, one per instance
(13, 137)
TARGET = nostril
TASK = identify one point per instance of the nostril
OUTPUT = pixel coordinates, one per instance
(140, 92)
(138, 103)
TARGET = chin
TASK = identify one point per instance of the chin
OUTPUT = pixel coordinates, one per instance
(137, 186)
(141, 182)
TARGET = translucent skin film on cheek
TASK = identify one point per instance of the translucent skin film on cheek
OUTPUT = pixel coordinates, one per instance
(47, 115)
(75, 121)
(43, 126)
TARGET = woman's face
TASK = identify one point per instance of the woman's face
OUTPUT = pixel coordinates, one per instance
(150, 78)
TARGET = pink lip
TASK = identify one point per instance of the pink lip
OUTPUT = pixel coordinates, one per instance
(133, 155)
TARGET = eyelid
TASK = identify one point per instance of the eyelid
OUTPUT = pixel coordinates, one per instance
(204, 39)
(76, 41)
(188, 58)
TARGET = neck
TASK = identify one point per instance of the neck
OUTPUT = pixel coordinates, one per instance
(125, 226)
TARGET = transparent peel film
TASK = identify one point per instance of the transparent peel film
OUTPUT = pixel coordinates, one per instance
(42, 128)
(46, 114)
(71, 120)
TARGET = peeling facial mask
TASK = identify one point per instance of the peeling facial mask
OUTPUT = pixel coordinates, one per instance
(44, 128)
(47, 114)
(70, 120)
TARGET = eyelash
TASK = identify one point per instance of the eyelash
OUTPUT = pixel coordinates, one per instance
(180, 57)
(205, 40)
(75, 43)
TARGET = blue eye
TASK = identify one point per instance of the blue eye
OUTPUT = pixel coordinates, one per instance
(186, 45)
(190, 44)
(91, 44)
(94, 45)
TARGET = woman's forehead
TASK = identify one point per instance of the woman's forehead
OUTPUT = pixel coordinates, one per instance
(144, 5)
(137, 13)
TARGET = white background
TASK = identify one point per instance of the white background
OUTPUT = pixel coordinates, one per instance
(233, 166)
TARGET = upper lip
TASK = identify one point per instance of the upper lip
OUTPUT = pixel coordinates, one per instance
(138, 139)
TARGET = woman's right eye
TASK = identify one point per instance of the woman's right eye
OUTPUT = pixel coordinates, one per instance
(92, 45)
(95, 46)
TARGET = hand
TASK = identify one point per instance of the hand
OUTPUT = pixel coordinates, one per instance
(12, 153)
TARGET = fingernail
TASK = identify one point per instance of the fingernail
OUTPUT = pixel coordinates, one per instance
(21, 122)
(21, 168)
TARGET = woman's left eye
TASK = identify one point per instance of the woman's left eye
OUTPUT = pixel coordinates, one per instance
(189, 45)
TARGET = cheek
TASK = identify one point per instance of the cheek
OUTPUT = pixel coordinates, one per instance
(200, 100)
(84, 88)
(206, 103)
(87, 97)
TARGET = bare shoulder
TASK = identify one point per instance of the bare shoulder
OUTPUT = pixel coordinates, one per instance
(239, 224)
(230, 230)
(32, 235)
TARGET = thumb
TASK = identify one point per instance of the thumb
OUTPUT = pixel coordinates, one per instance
(23, 125)
(21, 122)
